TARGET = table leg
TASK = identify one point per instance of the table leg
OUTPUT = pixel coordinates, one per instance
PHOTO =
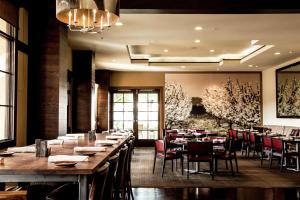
(297, 159)
(83, 187)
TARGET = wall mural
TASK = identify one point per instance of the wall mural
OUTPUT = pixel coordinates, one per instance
(212, 100)
(288, 91)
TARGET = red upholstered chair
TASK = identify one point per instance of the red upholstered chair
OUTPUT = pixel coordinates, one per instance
(255, 145)
(266, 149)
(200, 152)
(228, 155)
(162, 152)
(277, 151)
(245, 143)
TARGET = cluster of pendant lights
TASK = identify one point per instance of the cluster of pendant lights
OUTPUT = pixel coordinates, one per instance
(91, 16)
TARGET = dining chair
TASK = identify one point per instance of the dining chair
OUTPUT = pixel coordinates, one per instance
(277, 151)
(128, 186)
(162, 152)
(228, 155)
(200, 152)
(266, 149)
(245, 143)
(70, 190)
(254, 144)
(119, 185)
(113, 164)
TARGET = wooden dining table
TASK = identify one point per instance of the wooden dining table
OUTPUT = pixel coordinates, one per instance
(26, 167)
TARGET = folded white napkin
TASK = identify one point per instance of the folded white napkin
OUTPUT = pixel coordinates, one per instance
(120, 134)
(26, 149)
(115, 137)
(107, 142)
(77, 135)
(70, 158)
(96, 149)
(55, 142)
(67, 138)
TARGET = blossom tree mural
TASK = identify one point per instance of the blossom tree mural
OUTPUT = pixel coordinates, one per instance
(288, 97)
(235, 103)
(177, 106)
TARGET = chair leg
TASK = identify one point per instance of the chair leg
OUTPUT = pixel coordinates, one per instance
(271, 160)
(154, 163)
(188, 170)
(172, 165)
(231, 167)
(211, 164)
(281, 163)
(236, 165)
(181, 165)
(226, 163)
(261, 159)
(163, 169)
(216, 165)
(176, 165)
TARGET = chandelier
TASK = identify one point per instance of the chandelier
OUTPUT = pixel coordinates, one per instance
(91, 16)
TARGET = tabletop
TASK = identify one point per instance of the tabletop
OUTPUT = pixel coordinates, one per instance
(28, 163)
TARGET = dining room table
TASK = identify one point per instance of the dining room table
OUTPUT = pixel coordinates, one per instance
(26, 167)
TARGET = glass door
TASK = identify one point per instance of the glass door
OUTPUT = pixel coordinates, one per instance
(148, 115)
(136, 110)
(122, 111)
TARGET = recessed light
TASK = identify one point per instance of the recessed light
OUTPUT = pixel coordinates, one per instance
(254, 42)
(183, 67)
(277, 53)
(113, 60)
(212, 50)
(119, 23)
(250, 65)
(166, 50)
(198, 28)
(291, 52)
(256, 66)
(197, 41)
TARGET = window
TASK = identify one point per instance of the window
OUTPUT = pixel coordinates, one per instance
(7, 81)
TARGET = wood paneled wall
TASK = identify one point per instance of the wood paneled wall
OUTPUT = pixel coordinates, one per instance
(103, 80)
(82, 90)
(46, 72)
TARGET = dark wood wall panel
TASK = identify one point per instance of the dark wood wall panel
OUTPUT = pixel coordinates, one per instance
(9, 11)
(103, 80)
(82, 90)
(44, 73)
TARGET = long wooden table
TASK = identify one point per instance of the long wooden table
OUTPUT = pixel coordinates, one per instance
(25, 167)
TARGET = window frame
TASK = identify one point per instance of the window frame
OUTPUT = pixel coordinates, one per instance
(11, 37)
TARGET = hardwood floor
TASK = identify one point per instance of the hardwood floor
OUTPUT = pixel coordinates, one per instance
(216, 193)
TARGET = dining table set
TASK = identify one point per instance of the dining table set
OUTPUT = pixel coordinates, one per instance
(73, 158)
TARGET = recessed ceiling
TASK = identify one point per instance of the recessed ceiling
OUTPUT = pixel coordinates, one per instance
(166, 42)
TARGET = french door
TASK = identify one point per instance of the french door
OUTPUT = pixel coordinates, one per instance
(136, 110)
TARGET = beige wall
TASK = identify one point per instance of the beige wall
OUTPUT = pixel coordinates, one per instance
(269, 98)
(137, 79)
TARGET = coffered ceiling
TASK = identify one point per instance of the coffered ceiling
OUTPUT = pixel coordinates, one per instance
(171, 42)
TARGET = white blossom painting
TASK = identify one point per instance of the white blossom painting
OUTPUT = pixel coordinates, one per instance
(211, 100)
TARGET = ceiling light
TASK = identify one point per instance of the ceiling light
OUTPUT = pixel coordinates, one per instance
(197, 41)
(277, 53)
(212, 50)
(113, 60)
(86, 15)
(256, 66)
(253, 42)
(183, 67)
(290, 52)
(250, 65)
(119, 23)
(166, 50)
(198, 28)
